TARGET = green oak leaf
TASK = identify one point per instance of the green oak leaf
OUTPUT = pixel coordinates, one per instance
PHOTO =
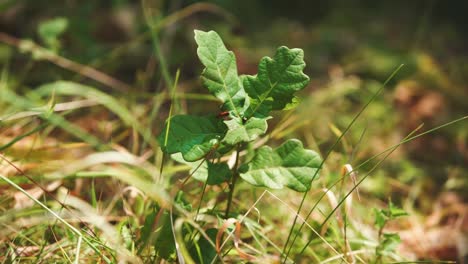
(394, 211)
(380, 218)
(193, 136)
(276, 82)
(289, 165)
(240, 132)
(388, 244)
(164, 244)
(205, 252)
(50, 31)
(220, 73)
(216, 173)
(224, 148)
(212, 173)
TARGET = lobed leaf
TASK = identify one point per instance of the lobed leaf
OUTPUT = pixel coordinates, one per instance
(212, 173)
(380, 218)
(50, 30)
(240, 132)
(193, 136)
(220, 73)
(206, 253)
(276, 82)
(388, 244)
(289, 165)
(394, 211)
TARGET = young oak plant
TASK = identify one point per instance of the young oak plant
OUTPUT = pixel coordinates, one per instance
(247, 102)
(387, 241)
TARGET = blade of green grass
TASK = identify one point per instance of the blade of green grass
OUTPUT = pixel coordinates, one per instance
(340, 180)
(20, 137)
(78, 248)
(374, 96)
(171, 107)
(390, 151)
(52, 118)
(75, 89)
(72, 228)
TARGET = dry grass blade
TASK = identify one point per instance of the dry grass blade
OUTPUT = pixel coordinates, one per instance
(92, 217)
(69, 226)
(57, 108)
(227, 223)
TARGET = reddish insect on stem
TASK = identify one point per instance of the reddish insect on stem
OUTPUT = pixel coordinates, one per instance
(224, 115)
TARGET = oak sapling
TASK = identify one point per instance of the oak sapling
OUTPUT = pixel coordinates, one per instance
(387, 241)
(246, 104)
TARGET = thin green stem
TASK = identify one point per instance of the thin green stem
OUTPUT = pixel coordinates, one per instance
(201, 199)
(168, 119)
(13, 141)
(193, 172)
(374, 96)
(235, 175)
(390, 151)
(342, 178)
(63, 221)
(378, 259)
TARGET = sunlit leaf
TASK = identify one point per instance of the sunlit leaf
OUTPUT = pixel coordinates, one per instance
(380, 218)
(193, 136)
(50, 30)
(276, 82)
(395, 211)
(289, 165)
(240, 132)
(220, 73)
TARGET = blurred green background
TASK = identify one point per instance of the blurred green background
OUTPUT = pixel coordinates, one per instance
(350, 47)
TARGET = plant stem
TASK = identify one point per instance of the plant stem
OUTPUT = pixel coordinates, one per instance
(374, 96)
(378, 259)
(235, 175)
(201, 199)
